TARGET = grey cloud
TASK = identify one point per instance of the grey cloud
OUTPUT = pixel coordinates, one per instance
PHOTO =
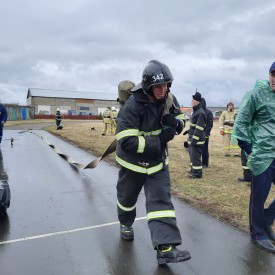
(221, 48)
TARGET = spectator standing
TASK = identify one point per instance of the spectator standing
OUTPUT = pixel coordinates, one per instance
(207, 131)
(255, 131)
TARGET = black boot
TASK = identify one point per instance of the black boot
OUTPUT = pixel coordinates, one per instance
(192, 176)
(269, 232)
(170, 254)
(265, 244)
(126, 232)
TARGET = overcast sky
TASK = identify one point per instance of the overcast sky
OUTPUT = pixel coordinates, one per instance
(219, 47)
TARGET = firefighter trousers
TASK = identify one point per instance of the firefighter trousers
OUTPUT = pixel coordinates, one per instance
(195, 153)
(159, 207)
(229, 147)
(107, 129)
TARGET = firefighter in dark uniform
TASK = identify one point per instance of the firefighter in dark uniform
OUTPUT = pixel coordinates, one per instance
(58, 119)
(196, 138)
(3, 119)
(145, 124)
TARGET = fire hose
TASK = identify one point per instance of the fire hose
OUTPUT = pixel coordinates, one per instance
(111, 148)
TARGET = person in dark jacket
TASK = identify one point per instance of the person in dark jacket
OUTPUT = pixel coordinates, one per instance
(145, 124)
(58, 119)
(3, 119)
(207, 130)
(196, 138)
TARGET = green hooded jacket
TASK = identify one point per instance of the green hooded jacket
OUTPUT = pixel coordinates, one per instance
(255, 123)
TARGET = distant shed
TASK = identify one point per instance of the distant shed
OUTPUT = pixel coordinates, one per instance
(46, 101)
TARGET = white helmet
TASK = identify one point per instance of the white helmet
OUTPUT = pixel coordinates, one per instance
(57, 109)
(113, 108)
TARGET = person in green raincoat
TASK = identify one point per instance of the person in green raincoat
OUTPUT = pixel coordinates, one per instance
(254, 129)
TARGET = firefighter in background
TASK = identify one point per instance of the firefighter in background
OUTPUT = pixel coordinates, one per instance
(226, 122)
(145, 124)
(113, 124)
(196, 136)
(107, 120)
(58, 119)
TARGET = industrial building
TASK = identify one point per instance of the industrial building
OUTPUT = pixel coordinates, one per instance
(46, 101)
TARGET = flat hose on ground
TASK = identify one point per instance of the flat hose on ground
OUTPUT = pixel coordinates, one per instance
(111, 148)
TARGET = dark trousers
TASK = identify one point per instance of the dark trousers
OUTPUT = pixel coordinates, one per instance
(58, 123)
(205, 153)
(258, 215)
(1, 132)
(163, 230)
(246, 171)
(195, 159)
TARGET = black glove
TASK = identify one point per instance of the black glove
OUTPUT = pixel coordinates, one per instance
(179, 127)
(166, 135)
(185, 132)
(185, 144)
(169, 120)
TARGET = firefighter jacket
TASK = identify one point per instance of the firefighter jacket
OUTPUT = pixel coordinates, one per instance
(3, 114)
(226, 121)
(58, 116)
(137, 134)
(255, 125)
(209, 118)
(114, 114)
(197, 125)
(107, 116)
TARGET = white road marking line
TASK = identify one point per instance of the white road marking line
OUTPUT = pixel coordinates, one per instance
(64, 232)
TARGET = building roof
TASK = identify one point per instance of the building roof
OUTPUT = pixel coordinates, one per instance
(32, 92)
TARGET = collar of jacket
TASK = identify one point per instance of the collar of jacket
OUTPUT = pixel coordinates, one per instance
(197, 107)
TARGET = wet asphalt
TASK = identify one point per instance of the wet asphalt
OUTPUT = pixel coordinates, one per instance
(63, 221)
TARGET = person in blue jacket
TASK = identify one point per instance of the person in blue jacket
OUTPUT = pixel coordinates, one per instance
(255, 131)
(3, 119)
